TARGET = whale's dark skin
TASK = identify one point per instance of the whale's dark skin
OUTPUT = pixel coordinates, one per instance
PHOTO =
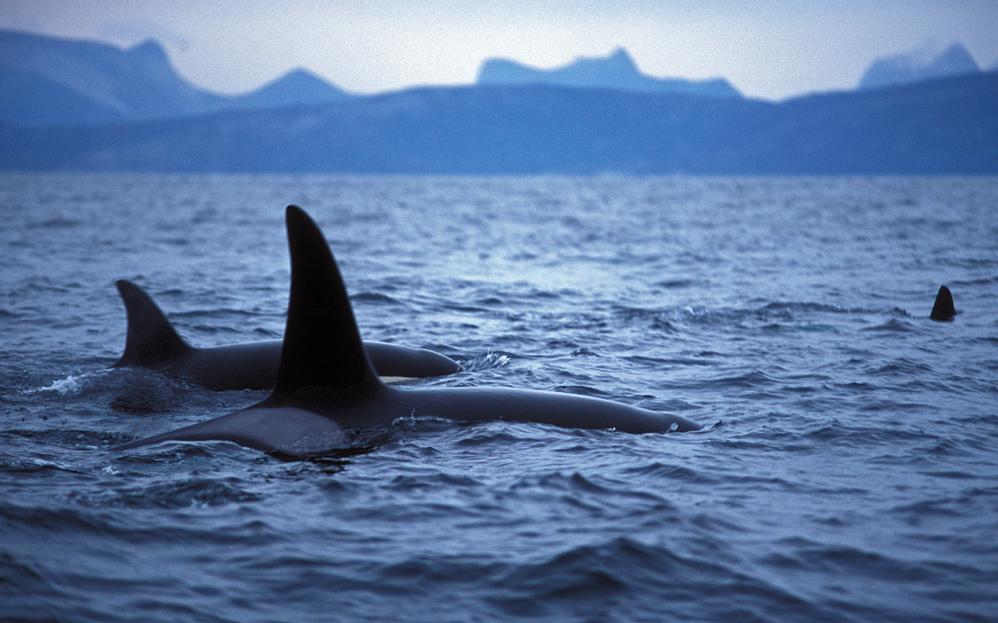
(152, 342)
(943, 309)
(327, 386)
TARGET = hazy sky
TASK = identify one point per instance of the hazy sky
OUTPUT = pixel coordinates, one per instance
(771, 49)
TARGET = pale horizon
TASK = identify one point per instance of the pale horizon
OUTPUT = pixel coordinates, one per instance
(772, 50)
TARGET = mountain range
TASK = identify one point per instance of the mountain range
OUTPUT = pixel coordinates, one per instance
(925, 63)
(616, 71)
(47, 80)
(944, 126)
(84, 106)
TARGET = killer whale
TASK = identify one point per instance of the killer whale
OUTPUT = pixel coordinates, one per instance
(326, 384)
(943, 309)
(152, 342)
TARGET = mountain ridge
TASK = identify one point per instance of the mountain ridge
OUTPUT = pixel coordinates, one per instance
(925, 63)
(945, 126)
(100, 83)
(297, 87)
(614, 71)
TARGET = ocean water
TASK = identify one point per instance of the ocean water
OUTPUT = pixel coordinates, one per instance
(847, 469)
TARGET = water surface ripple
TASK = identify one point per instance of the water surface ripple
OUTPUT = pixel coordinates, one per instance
(848, 468)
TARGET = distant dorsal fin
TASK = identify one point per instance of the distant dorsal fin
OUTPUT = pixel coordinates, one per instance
(943, 309)
(151, 339)
(322, 346)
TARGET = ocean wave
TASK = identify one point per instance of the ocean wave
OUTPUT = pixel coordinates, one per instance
(193, 493)
(845, 471)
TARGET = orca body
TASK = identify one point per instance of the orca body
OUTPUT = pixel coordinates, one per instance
(327, 386)
(152, 342)
(943, 309)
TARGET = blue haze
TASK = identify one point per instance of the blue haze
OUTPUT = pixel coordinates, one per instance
(939, 127)
(847, 470)
(769, 48)
(85, 106)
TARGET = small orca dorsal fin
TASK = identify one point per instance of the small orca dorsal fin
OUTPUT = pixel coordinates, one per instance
(943, 309)
(322, 345)
(151, 339)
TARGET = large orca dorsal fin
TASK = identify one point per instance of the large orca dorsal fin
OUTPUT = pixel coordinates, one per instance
(151, 339)
(943, 309)
(322, 345)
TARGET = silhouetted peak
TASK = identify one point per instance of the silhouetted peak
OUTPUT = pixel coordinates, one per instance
(928, 61)
(957, 55)
(297, 87)
(618, 63)
(621, 59)
(148, 49)
(300, 72)
(300, 76)
(303, 82)
(616, 70)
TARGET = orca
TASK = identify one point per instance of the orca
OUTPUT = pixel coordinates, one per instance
(943, 309)
(327, 388)
(152, 342)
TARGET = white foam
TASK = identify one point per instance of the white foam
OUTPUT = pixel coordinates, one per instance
(72, 384)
